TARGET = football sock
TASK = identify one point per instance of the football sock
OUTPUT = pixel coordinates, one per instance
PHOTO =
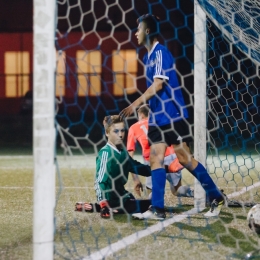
(158, 181)
(212, 191)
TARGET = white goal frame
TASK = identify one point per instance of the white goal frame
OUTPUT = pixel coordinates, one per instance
(200, 96)
(43, 128)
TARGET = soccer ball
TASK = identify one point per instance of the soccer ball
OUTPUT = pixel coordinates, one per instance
(253, 218)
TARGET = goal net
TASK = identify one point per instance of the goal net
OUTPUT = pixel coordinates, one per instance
(233, 99)
(99, 71)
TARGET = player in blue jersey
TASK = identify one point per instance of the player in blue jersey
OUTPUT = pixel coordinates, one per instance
(167, 120)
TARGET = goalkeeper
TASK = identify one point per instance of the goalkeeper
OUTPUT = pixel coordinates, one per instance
(138, 133)
(113, 165)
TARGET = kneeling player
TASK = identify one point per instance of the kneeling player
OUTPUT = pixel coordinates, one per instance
(138, 133)
(113, 165)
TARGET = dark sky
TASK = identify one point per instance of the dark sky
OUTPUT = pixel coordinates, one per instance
(17, 15)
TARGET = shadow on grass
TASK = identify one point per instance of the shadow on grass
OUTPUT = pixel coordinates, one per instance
(96, 233)
(218, 233)
(212, 233)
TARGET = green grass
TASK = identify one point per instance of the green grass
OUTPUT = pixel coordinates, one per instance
(80, 234)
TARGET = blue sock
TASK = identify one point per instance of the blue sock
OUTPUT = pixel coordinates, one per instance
(158, 188)
(207, 183)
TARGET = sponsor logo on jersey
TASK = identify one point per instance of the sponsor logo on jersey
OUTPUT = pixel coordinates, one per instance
(152, 63)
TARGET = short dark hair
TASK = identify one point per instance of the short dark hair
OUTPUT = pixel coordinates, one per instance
(110, 120)
(152, 22)
(144, 109)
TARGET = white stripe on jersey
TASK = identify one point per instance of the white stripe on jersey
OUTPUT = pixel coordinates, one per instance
(102, 168)
(98, 192)
(158, 63)
(101, 172)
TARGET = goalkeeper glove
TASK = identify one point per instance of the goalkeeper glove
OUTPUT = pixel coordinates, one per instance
(104, 211)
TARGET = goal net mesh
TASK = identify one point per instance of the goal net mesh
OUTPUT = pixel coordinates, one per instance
(99, 72)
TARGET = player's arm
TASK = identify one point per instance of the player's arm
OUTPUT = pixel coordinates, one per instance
(131, 142)
(138, 186)
(134, 176)
(131, 153)
(156, 86)
(139, 168)
(101, 183)
(102, 175)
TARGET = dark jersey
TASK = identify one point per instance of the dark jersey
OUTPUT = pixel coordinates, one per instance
(112, 170)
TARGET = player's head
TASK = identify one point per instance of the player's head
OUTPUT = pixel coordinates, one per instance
(148, 28)
(143, 112)
(115, 129)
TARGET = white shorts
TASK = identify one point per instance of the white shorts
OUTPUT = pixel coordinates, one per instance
(172, 177)
(169, 159)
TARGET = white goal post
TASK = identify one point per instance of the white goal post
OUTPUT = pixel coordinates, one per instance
(43, 128)
(200, 55)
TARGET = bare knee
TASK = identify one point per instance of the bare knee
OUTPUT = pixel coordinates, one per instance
(183, 153)
(157, 152)
(182, 159)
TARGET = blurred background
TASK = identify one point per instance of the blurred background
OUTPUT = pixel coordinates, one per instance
(93, 45)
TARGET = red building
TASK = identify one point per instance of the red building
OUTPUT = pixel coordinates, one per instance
(97, 55)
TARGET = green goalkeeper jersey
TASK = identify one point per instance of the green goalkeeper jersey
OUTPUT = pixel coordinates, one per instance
(112, 170)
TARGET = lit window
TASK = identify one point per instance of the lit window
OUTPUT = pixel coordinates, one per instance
(60, 73)
(124, 64)
(89, 73)
(17, 69)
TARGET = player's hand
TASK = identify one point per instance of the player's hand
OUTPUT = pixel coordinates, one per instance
(127, 111)
(84, 207)
(105, 212)
(138, 187)
(105, 209)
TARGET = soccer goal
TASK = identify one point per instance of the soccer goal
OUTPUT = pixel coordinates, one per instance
(87, 65)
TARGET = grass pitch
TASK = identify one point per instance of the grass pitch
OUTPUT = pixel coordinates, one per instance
(79, 235)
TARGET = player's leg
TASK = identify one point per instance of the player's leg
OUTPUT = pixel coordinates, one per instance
(174, 176)
(136, 206)
(197, 169)
(158, 174)
(157, 140)
(148, 182)
(172, 187)
(156, 210)
(177, 189)
(157, 150)
(148, 185)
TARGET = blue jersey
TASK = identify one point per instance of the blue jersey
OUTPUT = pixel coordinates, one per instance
(167, 105)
